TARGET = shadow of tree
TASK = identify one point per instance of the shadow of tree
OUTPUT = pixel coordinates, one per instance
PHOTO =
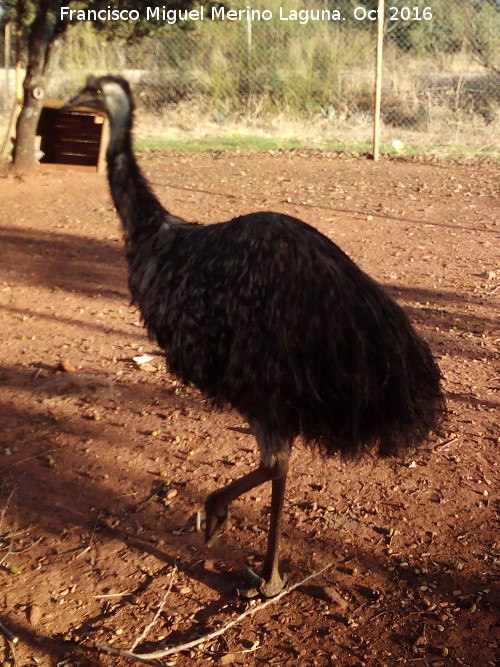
(63, 261)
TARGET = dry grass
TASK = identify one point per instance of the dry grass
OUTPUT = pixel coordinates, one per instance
(186, 122)
(428, 101)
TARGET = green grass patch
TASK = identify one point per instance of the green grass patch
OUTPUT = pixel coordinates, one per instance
(250, 142)
(240, 142)
(244, 142)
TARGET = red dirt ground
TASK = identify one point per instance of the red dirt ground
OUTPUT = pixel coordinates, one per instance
(104, 465)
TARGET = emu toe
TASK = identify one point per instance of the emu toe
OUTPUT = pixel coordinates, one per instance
(259, 587)
(216, 522)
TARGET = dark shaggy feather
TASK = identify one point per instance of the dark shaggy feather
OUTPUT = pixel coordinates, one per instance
(265, 313)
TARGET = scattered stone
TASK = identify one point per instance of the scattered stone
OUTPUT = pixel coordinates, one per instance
(66, 366)
(209, 566)
(34, 614)
(149, 368)
(328, 594)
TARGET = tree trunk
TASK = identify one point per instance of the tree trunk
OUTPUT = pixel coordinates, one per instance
(44, 37)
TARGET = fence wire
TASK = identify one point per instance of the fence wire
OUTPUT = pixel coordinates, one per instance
(285, 59)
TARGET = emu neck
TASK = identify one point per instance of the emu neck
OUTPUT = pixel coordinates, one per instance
(138, 208)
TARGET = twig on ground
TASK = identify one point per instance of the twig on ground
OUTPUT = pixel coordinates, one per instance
(8, 538)
(373, 618)
(10, 635)
(25, 549)
(31, 458)
(150, 658)
(443, 444)
(15, 533)
(158, 612)
(4, 510)
(88, 547)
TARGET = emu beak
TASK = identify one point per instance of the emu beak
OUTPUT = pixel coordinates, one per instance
(81, 100)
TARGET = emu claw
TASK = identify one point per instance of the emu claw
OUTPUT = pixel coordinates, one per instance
(215, 525)
(257, 586)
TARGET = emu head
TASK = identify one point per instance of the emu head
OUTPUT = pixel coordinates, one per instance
(110, 95)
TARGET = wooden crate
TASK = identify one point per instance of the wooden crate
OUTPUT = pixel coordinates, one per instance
(73, 136)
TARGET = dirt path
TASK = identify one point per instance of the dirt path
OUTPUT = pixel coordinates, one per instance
(103, 469)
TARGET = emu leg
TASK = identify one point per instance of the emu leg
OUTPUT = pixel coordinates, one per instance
(217, 514)
(271, 583)
(216, 505)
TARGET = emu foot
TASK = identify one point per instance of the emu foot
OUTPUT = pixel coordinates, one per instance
(216, 522)
(259, 587)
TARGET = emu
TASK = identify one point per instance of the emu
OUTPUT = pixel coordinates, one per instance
(266, 314)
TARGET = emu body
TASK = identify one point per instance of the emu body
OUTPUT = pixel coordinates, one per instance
(266, 314)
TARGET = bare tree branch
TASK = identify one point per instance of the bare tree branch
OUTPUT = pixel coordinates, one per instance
(158, 611)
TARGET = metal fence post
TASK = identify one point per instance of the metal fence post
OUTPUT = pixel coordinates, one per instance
(378, 78)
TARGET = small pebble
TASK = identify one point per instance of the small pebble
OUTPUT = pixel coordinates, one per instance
(209, 566)
(34, 614)
(66, 366)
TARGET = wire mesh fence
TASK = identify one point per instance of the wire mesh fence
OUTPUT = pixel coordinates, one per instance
(309, 63)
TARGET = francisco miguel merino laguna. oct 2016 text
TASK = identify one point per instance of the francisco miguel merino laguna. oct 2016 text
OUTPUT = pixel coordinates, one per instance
(220, 13)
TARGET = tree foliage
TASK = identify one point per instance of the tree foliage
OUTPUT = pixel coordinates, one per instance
(44, 27)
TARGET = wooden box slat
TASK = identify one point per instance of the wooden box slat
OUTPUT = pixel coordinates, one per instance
(75, 136)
